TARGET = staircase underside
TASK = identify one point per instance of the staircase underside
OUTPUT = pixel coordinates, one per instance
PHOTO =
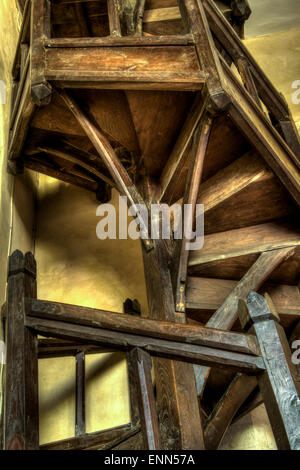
(146, 91)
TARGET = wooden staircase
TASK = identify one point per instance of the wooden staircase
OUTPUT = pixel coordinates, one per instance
(163, 102)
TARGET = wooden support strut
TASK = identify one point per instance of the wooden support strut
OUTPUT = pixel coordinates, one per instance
(181, 252)
(113, 164)
(21, 387)
(277, 383)
(227, 313)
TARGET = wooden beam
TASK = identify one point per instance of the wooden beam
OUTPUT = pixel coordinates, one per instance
(165, 330)
(195, 354)
(172, 170)
(54, 172)
(21, 383)
(181, 251)
(245, 241)
(40, 28)
(223, 413)
(77, 159)
(142, 365)
(227, 313)
(205, 295)
(80, 394)
(115, 41)
(159, 67)
(119, 174)
(86, 441)
(277, 383)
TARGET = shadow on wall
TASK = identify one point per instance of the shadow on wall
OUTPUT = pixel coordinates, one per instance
(74, 266)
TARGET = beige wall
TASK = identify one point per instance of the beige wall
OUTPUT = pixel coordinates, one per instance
(75, 267)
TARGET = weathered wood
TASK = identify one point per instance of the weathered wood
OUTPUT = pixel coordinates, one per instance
(170, 67)
(54, 172)
(40, 28)
(181, 251)
(245, 72)
(80, 394)
(133, 391)
(113, 18)
(99, 438)
(228, 312)
(205, 295)
(111, 161)
(245, 241)
(222, 415)
(21, 123)
(178, 411)
(123, 323)
(193, 14)
(139, 17)
(172, 170)
(21, 383)
(142, 364)
(277, 383)
(51, 348)
(195, 354)
(166, 40)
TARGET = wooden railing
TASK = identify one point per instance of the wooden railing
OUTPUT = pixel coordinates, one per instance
(259, 87)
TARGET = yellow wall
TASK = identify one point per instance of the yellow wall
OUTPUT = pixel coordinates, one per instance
(75, 267)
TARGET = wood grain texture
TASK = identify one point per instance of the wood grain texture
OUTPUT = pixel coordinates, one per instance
(277, 384)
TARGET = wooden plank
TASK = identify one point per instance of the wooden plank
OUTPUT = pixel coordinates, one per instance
(21, 383)
(139, 17)
(99, 438)
(133, 392)
(142, 365)
(205, 295)
(250, 240)
(190, 353)
(172, 170)
(181, 252)
(230, 196)
(223, 413)
(245, 72)
(111, 161)
(227, 313)
(277, 383)
(80, 394)
(144, 41)
(170, 65)
(40, 28)
(165, 330)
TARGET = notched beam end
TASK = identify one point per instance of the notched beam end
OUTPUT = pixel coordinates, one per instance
(41, 93)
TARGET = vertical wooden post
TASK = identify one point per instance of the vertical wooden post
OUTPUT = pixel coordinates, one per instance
(181, 253)
(277, 383)
(21, 388)
(177, 401)
(133, 392)
(141, 367)
(40, 30)
(80, 394)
